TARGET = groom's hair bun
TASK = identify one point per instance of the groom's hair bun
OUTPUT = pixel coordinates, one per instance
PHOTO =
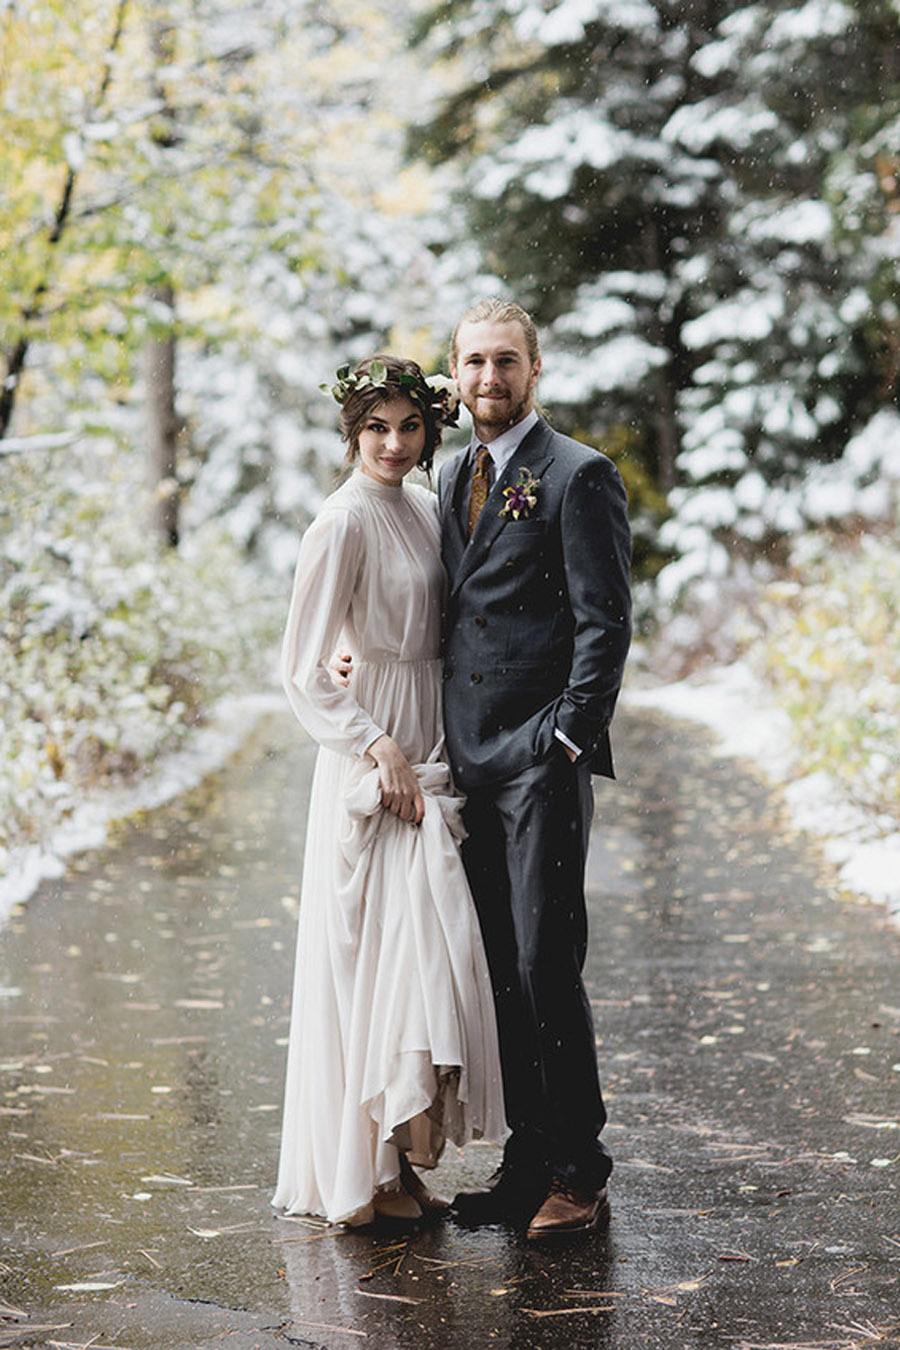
(359, 403)
(493, 309)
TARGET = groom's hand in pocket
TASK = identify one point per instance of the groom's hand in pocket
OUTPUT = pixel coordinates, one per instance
(342, 668)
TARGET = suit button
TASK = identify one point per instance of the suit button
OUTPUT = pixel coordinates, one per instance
(480, 621)
(476, 678)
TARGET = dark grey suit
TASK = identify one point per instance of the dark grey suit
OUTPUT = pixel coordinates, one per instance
(536, 630)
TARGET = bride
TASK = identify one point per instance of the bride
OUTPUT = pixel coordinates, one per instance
(393, 1041)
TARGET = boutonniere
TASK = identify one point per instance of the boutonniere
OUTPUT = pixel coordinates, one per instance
(521, 498)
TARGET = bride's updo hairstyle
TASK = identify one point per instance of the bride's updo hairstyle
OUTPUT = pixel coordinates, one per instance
(381, 379)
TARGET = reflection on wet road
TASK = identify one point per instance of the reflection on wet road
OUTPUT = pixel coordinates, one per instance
(747, 1022)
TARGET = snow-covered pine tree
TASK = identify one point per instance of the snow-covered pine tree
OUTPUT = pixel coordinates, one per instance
(661, 183)
(798, 330)
(582, 208)
(337, 267)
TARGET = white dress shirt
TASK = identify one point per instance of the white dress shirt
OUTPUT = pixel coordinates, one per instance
(502, 449)
(504, 446)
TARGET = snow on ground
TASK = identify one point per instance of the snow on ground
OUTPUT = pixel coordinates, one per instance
(733, 703)
(728, 699)
(205, 751)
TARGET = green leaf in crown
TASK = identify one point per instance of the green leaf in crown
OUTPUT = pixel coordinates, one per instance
(438, 394)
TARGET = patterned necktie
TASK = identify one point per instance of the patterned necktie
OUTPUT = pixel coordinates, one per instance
(481, 486)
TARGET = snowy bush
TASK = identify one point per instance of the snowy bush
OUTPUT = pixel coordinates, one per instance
(112, 649)
(831, 651)
(712, 526)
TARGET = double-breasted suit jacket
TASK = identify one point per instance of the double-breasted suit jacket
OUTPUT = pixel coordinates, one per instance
(537, 616)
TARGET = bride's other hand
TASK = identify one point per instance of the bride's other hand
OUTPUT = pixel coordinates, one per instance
(399, 786)
(342, 668)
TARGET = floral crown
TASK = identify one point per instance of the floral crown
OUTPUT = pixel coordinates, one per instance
(436, 392)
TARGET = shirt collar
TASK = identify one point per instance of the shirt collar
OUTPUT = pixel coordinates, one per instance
(504, 446)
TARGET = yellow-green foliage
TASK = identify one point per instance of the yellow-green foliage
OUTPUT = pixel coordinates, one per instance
(123, 164)
(832, 653)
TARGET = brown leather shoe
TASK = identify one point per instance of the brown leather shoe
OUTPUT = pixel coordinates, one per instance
(566, 1212)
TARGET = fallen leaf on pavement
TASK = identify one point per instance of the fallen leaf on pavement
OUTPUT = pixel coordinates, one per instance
(568, 1312)
(118, 1115)
(391, 1298)
(329, 1326)
(592, 1293)
(87, 1286)
(30, 1331)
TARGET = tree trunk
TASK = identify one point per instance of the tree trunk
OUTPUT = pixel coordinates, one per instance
(162, 423)
(665, 417)
(160, 352)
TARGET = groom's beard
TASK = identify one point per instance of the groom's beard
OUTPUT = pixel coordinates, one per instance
(507, 420)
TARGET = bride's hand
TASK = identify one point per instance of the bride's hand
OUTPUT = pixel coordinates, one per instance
(342, 668)
(399, 787)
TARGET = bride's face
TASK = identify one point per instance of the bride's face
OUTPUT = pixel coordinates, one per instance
(391, 440)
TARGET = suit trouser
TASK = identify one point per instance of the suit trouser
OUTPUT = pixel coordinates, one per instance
(525, 858)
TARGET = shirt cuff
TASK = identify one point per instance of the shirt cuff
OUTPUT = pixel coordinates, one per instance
(561, 736)
(364, 743)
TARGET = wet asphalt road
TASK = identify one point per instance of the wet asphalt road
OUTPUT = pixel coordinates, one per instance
(748, 1022)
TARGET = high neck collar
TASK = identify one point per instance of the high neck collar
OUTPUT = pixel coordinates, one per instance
(391, 491)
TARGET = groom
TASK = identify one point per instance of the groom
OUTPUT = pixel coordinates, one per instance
(536, 546)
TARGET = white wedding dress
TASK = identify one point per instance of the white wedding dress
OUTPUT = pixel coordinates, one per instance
(393, 1040)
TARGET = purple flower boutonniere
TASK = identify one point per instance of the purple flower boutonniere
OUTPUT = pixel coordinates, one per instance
(521, 499)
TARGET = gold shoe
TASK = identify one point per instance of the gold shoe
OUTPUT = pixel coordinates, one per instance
(432, 1206)
(396, 1208)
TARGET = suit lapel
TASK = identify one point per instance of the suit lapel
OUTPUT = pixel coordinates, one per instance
(534, 452)
(452, 534)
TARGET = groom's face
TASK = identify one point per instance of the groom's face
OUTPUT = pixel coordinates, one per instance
(495, 374)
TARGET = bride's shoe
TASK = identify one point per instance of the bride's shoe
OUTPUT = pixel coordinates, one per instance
(397, 1208)
(432, 1206)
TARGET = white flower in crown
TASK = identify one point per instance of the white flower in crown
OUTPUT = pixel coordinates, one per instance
(447, 397)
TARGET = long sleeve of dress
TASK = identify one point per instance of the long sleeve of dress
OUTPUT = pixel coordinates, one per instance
(328, 567)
